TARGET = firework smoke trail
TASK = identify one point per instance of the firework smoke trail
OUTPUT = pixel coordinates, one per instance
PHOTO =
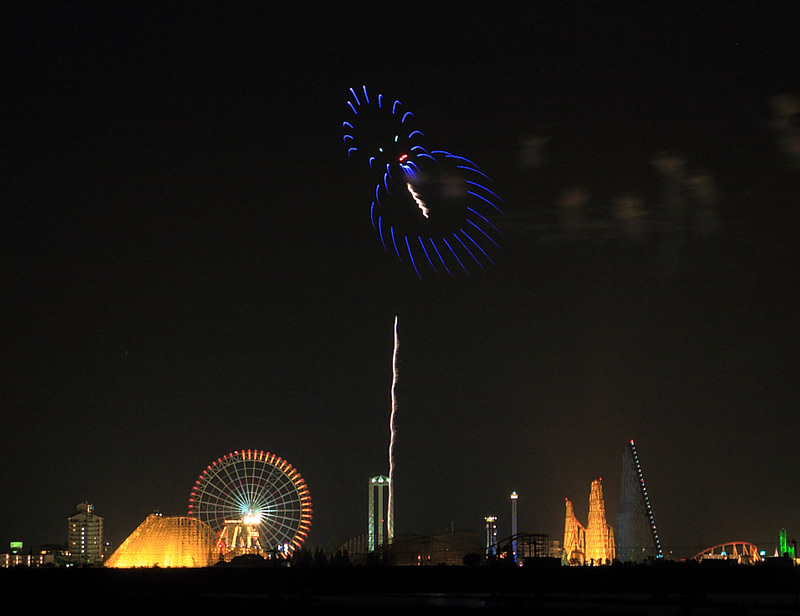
(390, 515)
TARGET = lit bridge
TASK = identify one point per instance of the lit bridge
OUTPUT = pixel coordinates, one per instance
(743, 552)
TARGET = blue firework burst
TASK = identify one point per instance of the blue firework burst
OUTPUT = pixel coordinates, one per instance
(378, 129)
(433, 210)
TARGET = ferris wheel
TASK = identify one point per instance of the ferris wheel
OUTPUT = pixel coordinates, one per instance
(255, 501)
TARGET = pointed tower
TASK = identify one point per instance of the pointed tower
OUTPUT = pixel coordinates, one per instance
(637, 536)
(600, 548)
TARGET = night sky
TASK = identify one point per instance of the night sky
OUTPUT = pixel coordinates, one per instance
(188, 265)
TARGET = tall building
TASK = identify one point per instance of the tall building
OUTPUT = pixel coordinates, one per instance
(637, 537)
(379, 530)
(491, 535)
(85, 536)
(593, 544)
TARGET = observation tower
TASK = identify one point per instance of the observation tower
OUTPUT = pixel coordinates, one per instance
(514, 498)
(491, 535)
(379, 531)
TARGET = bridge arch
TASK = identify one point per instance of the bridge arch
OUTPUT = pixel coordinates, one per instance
(744, 552)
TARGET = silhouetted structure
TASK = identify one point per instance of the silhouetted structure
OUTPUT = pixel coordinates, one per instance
(530, 548)
(445, 549)
(637, 537)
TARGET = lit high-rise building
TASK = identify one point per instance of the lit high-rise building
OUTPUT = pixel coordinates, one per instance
(491, 535)
(85, 536)
(379, 531)
(637, 537)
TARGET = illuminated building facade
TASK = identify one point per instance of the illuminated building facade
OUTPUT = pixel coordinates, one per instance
(593, 544)
(637, 537)
(27, 560)
(379, 530)
(45, 556)
(85, 536)
(491, 535)
(178, 541)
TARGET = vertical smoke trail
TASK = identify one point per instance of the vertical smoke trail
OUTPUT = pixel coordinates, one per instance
(390, 516)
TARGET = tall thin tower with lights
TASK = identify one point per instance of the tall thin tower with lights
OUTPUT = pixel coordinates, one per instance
(514, 525)
(491, 535)
(378, 523)
(637, 537)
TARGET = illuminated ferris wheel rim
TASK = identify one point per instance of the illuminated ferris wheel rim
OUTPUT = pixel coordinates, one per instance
(258, 489)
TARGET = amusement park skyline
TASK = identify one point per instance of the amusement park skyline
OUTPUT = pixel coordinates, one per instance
(193, 263)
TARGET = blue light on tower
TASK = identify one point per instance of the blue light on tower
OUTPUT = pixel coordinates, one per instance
(514, 526)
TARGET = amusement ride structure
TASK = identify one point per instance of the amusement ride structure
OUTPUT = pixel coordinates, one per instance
(256, 503)
(637, 534)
